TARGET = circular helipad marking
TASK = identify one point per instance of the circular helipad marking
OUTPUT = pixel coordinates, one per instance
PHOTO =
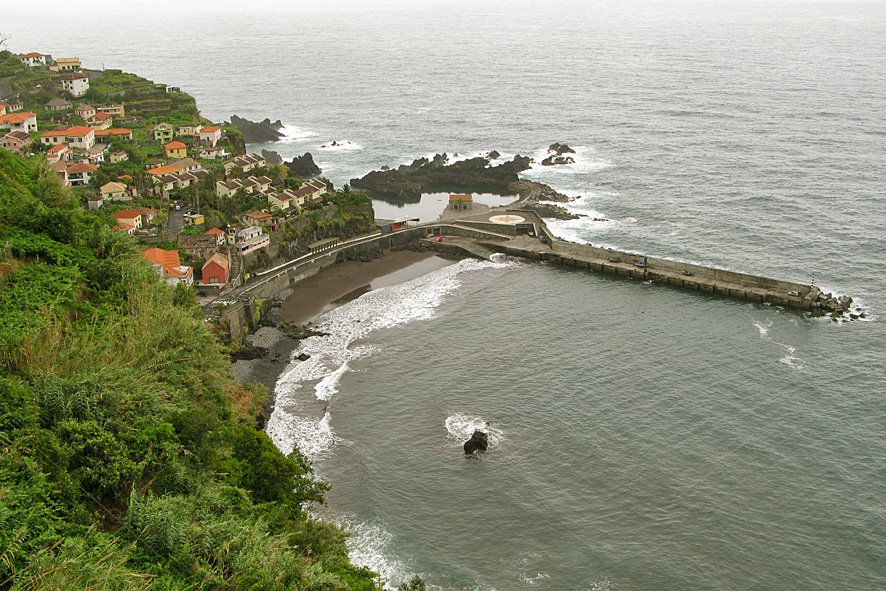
(507, 219)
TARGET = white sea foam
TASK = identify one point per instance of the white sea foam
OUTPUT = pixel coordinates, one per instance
(789, 359)
(460, 427)
(585, 157)
(291, 133)
(369, 545)
(331, 355)
(341, 146)
(764, 329)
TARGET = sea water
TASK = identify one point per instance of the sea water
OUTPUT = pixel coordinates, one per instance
(644, 438)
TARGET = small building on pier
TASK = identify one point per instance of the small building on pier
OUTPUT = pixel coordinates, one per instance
(459, 201)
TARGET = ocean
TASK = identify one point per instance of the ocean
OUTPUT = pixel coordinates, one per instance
(643, 438)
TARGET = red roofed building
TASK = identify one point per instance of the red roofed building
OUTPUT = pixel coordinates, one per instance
(210, 135)
(168, 266)
(80, 136)
(80, 174)
(24, 121)
(59, 153)
(176, 150)
(216, 269)
(218, 233)
(76, 84)
(129, 217)
(33, 59)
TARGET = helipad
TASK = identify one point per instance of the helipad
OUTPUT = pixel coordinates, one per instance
(511, 220)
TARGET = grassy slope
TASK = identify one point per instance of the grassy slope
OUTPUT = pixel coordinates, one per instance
(123, 464)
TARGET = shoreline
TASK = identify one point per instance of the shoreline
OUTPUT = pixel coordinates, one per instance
(268, 350)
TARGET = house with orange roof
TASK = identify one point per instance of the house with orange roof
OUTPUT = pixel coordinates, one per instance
(175, 149)
(58, 153)
(257, 218)
(218, 233)
(460, 201)
(216, 269)
(104, 136)
(210, 135)
(80, 174)
(16, 142)
(129, 217)
(169, 267)
(80, 136)
(24, 121)
(76, 84)
(61, 169)
(34, 59)
(101, 121)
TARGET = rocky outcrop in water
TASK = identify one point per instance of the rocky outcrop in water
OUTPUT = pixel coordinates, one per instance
(559, 149)
(303, 166)
(258, 133)
(836, 307)
(479, 441)
(557, 160)
(474, 175)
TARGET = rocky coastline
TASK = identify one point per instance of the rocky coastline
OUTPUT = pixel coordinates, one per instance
(479, 174)
(261, 132)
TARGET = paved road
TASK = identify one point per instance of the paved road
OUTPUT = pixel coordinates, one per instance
(176, 221)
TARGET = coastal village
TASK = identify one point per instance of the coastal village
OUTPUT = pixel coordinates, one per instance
(207, 213)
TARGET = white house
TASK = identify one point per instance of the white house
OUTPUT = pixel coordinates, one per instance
(251, 239)
(34, 59)
(24, 121)
(213, 153)
(80, 136)
(211, 134)
(80, 174)
(58, 153)
(76, 84)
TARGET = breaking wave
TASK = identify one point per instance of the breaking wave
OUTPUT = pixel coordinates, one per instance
(289, 426)
(460, 427)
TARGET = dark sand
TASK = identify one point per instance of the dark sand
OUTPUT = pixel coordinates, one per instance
(347, 281)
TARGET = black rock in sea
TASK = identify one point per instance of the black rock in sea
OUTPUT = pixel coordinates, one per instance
(560, 149)
(479, 441)
(258, 133)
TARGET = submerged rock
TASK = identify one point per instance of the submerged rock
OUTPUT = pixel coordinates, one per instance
(557, 160)
(479, 441)
(303, 357)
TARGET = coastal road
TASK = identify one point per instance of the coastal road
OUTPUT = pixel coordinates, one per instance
(262, 277)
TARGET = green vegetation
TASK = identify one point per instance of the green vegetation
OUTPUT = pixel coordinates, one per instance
(344, 215)
(128, 457)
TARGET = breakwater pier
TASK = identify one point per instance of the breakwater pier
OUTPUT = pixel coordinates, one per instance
(522, 233)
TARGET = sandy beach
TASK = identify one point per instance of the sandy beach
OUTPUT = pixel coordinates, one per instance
(347, 281)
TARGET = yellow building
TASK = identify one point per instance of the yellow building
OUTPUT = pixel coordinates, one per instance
(175, 150)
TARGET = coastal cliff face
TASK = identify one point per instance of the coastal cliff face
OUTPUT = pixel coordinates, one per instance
(262, 132)
(408, 182)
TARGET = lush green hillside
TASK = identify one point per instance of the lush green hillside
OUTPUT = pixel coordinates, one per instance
(128, 457)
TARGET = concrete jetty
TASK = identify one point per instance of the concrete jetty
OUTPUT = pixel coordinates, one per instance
(522, 233)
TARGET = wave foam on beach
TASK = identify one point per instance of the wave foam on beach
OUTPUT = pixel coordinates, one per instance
(330, 355)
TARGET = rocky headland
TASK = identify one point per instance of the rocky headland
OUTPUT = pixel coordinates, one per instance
(261, 132)
(476, 175)
(303, 166)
